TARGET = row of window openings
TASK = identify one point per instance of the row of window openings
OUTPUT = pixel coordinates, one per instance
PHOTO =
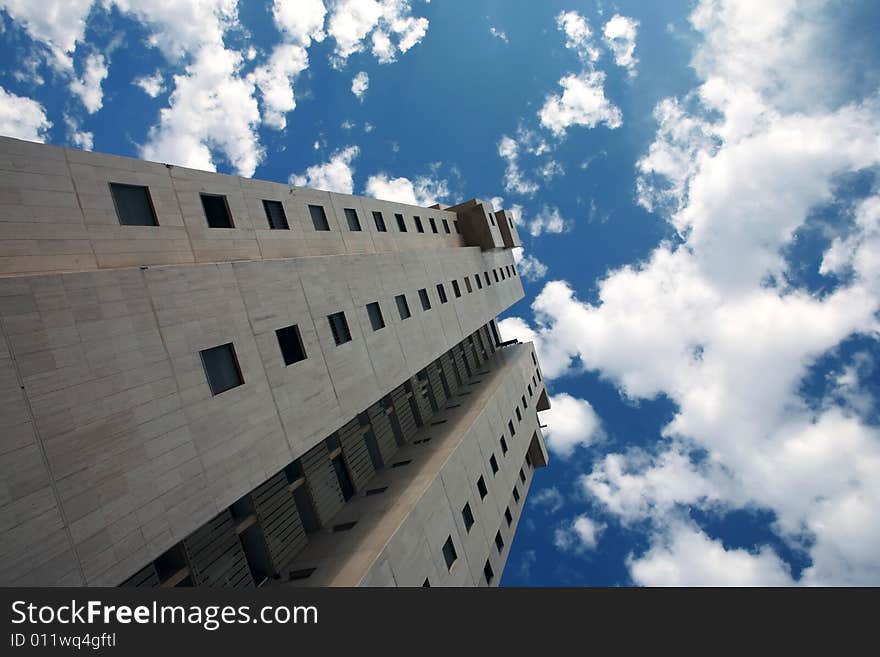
(134, 207)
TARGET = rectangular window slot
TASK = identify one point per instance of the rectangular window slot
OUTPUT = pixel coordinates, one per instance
(217, 211)
(375, 313)
(319, 217)
(402, 306)
(499, 542)
(401, 224)
(290, 342)
(339, 327)
(456, 289)
(423, 297)
(479, 282)
(400, 464)
(302, 573)
(467, 284)
(344, 526)
(452, 406)
(351, 216)
(449, 553)
(433, 224)
(468, 517)
(376, 491)
(455, 224)
(488, 573)
(133, 204)
(445, 225)
(380, 222)
(493, 463)
(420, 228)
(221, 368)
(508, 517)
(481, 487)
(441, 292)
(275, 215)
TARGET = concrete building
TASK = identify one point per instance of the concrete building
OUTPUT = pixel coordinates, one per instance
(210, 380)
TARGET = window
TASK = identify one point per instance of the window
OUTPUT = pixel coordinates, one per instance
(486, 275)
(499, 542)
(467, 284)
(221, 368)
(487, 571)
(441, 292)
(449, 553)
(479, 282)
(513, 270)
(423, 297)
(402, 306)
(508, 517)
(216, 211)
(523, 399)
(522, 475)
(515, 494)
(275, 215)
(534, 359)
(501, 271)
(518, 415)
(456, 290)
(481, 487)
(455, 225)
(510, 426)
(319, 217)
(426, 584)
(467, 516)
(291, 344)
(538, 372)
(445, 225)
(531, 394)
(510, 221)
(351, 216)
(134, 207)
(433, 224)
(495, 274)
(380, 222)
(339, 327)
(401, 224)
(420, 228)
(375, 313)
(503, 446)
(493, 464)
(491, 218)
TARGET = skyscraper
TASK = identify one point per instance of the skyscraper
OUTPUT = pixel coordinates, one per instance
(215, 381)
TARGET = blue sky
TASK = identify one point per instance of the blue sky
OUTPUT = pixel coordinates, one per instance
(696, 185)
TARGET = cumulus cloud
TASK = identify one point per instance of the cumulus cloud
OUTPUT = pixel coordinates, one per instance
(620, 36)
(582, 102)
(23, 118)
(549, 499)
(359, 85)
(736, 167)
(88, 86)
(335, 175)
(578, 35)
(152, 85)
(580, 535)
(275, 81)
(528, 266)
(388, 25)
(77, 136)
(300, 21)
(548, 220)
(571, 423)
(59, 24)
(514, 179)
(424, 190)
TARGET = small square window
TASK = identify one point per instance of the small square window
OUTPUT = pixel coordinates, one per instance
(481, 487)
(445, 225)
(467, 284)
(291, 344)
(216, 211)
(488, 572)
(380, 222)
(455, 225)
(423, 297)
(319, 217)
(508, 517)
(402, 306)
(351, 216)
(515, 494)
(499, 542)
(275, 215)
(420, 228)
(467, 516)
(456, 290)
(433, 224)
(449, 553)
(221, 368)
(441, 292)
(375, 313)
(503, 446)
(493, 463)
(479, 282)
(133, 204)
(339, 327)
(401, 224)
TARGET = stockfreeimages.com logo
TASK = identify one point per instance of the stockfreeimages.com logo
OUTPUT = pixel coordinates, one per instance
(210, 617)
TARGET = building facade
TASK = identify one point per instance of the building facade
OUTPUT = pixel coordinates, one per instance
(215, 381)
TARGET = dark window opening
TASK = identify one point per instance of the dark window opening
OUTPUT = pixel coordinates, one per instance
(426, 584)
(420, 228)
(488, 573)
(133, 204)
(290, 341)
(449, 553)
(423, 297)
(401, 224)
(503, 446)
(518, 415)
(339, 327)
(510, 426)
(479, 282)
(529, 461)
(455, 225)
(256, 553)
(346, 487)
(522, 475)
(221, 368)
(376, 491)
(402, 306)
(275, 215)
(515, 494)
(491, 218)
(375, 313)
(456, 290)
(508, 517)
(467, 284)
(495, 274)
(216, 211)
(486, 275)
(445, 225)
(380, 222)
(351, 216)
(400, 464)
(499, 542)
(467, 516)
(433, 224)
(523, 399)
(441, 292)
(493, 463)
(481, 487)
(319, 217)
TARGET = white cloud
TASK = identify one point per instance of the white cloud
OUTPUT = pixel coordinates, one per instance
(578, 35)
(152, 85)
(211, 107)
(301, 21)
(582, 102)
(514, 180)
(620, 37)
(387, 24)
(571, 423)
(423, 191)
(88, 86)
(548, 220)
(578, 536)
(22, 117)
(498, 34)
(78, 137)
(738, 165)
(275, 81)
(334, 175)
(59, 24)
(359, 85)
(549, 499)
(686, 556)
(528, 266)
